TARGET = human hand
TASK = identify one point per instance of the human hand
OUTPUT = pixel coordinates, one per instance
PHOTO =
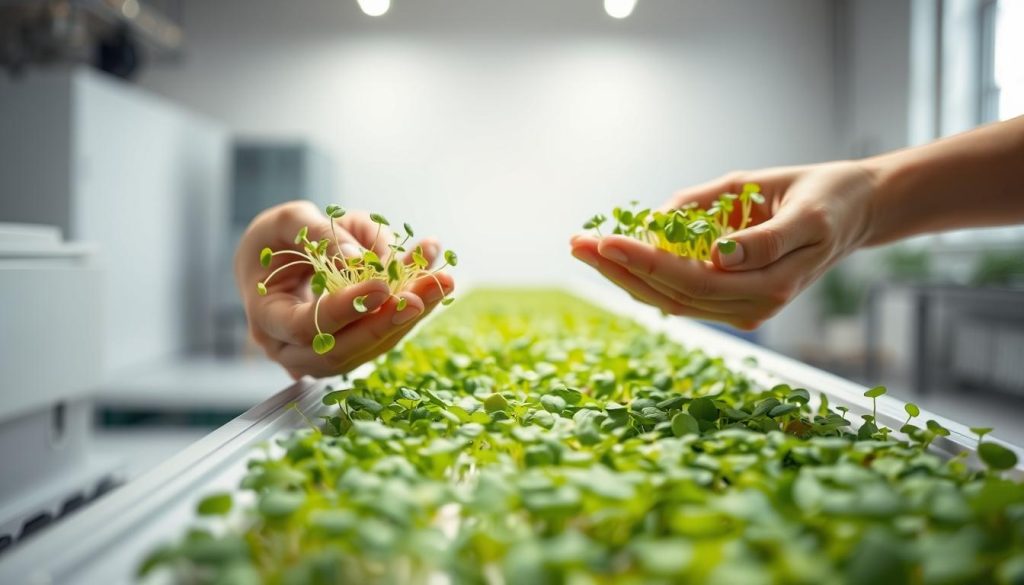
(282, 321)
(812, 217)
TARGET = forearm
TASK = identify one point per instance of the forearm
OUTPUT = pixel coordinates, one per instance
(972, 179)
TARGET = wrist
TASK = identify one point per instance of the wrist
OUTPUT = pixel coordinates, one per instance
(886, 219)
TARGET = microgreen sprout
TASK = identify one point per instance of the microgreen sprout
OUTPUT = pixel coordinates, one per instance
(873, 394)
(528, 437)
(688, 231)
(333, 271)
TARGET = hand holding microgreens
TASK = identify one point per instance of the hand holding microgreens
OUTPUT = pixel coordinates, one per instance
(333, 271)
(688, 231)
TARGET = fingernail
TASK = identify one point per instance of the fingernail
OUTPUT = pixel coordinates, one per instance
(404, 316)
(375, 299)
(349, 250)
(586, 259)
(732, 257)
(433, 295)
(615, 255)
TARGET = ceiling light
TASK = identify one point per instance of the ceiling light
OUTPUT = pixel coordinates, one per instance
(375, 7)
(619, 8)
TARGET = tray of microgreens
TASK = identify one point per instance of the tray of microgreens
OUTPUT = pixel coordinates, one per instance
(529, 437)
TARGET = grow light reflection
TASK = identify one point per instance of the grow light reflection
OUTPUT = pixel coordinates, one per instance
(619, 8)
(374, 7)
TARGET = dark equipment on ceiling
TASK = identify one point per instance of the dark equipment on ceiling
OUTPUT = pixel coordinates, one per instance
(116, 36)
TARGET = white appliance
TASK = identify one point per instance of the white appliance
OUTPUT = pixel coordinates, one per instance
(51, 332)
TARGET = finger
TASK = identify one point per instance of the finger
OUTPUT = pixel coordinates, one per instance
(367, 332)
(432, 288)
(290, 319)
(367, 233)
(694, 278)
(431, 249)
(277, 229)
(765, 243)
(431, 297)
(740, 309)
(637, 288)
(704, 194)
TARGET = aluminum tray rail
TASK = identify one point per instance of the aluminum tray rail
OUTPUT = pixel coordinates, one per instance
(106, 542)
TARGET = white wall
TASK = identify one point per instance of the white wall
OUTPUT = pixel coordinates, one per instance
(877, 68)
(500, 126)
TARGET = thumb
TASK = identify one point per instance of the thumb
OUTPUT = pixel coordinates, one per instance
(763, 244)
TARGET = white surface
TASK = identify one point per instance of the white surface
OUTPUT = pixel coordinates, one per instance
(51, 309)
(195, 384)
(876, 89)
(501, 126)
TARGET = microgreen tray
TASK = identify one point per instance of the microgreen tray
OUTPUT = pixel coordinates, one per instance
(561, 484)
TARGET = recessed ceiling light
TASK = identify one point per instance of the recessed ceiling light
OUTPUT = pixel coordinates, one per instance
(619, 8)
(375, 7)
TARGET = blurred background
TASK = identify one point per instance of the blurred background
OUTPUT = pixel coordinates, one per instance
(150, 132)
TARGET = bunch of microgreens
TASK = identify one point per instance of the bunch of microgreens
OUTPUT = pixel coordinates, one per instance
(333, 272)
(688, 231)
(529, 438)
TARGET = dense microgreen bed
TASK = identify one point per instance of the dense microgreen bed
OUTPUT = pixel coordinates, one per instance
(529, 438)
(689, 231)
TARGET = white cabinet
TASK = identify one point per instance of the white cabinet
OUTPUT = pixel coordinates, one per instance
(141, 178)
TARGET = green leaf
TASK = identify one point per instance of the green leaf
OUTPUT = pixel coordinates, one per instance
(323, 343)
(912, 409)
(448, 300)
(335, 211)
(401, 304)
(981, 431)
(359, 304)
(280, 504)
(451, 258)
(334, 522)
(393, 270)
(318, 283)
(266, 256)
(726, 246)
(799, 395)
(334, 397)
(214, 505)
(783, 409)
(301, 236)
(261, 289)
(408, 230)
(418, 258)
(684, 424)
(875, 392)
(996, 456)
(703, 409)
(495, 402)
(379, 219)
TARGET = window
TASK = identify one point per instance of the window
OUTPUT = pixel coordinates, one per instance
(1002, 68)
